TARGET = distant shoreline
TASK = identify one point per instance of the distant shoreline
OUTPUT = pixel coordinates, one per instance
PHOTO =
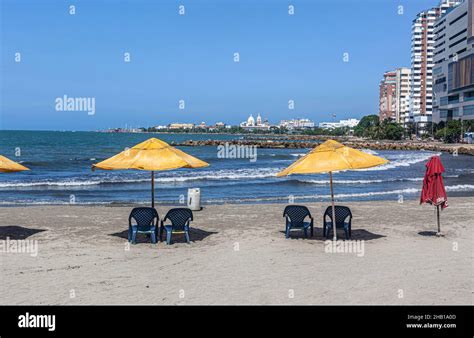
(293, 141)
(457, 148)
(298, 141)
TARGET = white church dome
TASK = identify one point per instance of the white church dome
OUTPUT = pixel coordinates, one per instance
(251, 121)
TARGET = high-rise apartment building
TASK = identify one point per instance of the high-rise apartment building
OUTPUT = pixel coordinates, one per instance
(422, 63)
(402, 112)
(454, 65)
(387, 95)
(394, 95)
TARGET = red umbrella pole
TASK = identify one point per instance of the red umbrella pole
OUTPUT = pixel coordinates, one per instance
(439, 225)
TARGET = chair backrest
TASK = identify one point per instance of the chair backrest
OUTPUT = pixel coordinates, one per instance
(179, 217)
(144, 217)
(341, 214)
(296, 213)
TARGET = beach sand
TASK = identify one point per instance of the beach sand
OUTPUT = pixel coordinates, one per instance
(239, 255)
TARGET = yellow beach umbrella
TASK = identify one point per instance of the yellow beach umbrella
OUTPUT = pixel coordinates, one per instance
(152, 155)
(9, 166)
(332, 156)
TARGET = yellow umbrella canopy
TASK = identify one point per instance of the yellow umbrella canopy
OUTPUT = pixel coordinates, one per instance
(152, 155)
(332, 156)
(9, 166)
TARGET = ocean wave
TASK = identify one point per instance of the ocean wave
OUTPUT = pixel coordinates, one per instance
(67, 183)
(460, 187)
(409, 179)
(325, 196)
(325, 182)
(238, 174)
(407, 191)
(403, 160)
(215, 175)
(244, 174)
(396, 192)
(370, 151)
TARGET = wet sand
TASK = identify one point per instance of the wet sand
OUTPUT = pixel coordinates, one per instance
(239, 255)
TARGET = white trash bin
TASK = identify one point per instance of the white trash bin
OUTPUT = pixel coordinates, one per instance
(194, 199)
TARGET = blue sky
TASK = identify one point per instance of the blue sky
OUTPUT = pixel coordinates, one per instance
(190, 57)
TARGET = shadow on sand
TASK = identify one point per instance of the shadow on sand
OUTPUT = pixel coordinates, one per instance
(357, 234)
(427, 233)
(16, 232)
(195, 235)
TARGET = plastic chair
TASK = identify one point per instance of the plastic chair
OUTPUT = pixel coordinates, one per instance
(180, 219)
(342, 213)
(295, 216)
(144, 219)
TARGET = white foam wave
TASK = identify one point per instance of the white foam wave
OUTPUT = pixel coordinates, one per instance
(47, 183)
(325, 182)
(403, 160)
(369, 151)
(253, 173)
(323, 196)
(408, 191)
(238, 174)
(460, 187)
(67, 183)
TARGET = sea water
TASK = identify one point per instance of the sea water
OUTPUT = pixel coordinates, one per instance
(60, 164)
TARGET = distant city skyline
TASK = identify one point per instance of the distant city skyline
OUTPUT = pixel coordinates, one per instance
(137, 61)
(264, 121)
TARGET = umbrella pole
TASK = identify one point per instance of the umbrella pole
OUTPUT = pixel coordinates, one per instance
(333, 209)
(439, 225)
(152, 189)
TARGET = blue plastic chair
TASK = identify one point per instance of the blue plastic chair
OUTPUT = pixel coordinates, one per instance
(295, 219)
(142, 220)
(180, 219)
(342, 213)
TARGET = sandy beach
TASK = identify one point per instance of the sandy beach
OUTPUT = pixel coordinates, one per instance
(239, 255)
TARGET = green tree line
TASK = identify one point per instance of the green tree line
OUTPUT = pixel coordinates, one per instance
(449, 132)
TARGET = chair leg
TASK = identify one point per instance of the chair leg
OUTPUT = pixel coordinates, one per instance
(347, 233)
(326, 232)
(305, 232)
(168, 237)
(129, 234)
(161, 233)
(153, 236)
(287, 232)
(186, 234)
(311, 230)
(134, 236)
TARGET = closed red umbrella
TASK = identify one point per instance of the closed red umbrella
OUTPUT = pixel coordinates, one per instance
(433, 191)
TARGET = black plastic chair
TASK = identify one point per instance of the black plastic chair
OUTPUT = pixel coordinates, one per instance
(342, 213)
(144, 217)
(180, 219)
(295, 216)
